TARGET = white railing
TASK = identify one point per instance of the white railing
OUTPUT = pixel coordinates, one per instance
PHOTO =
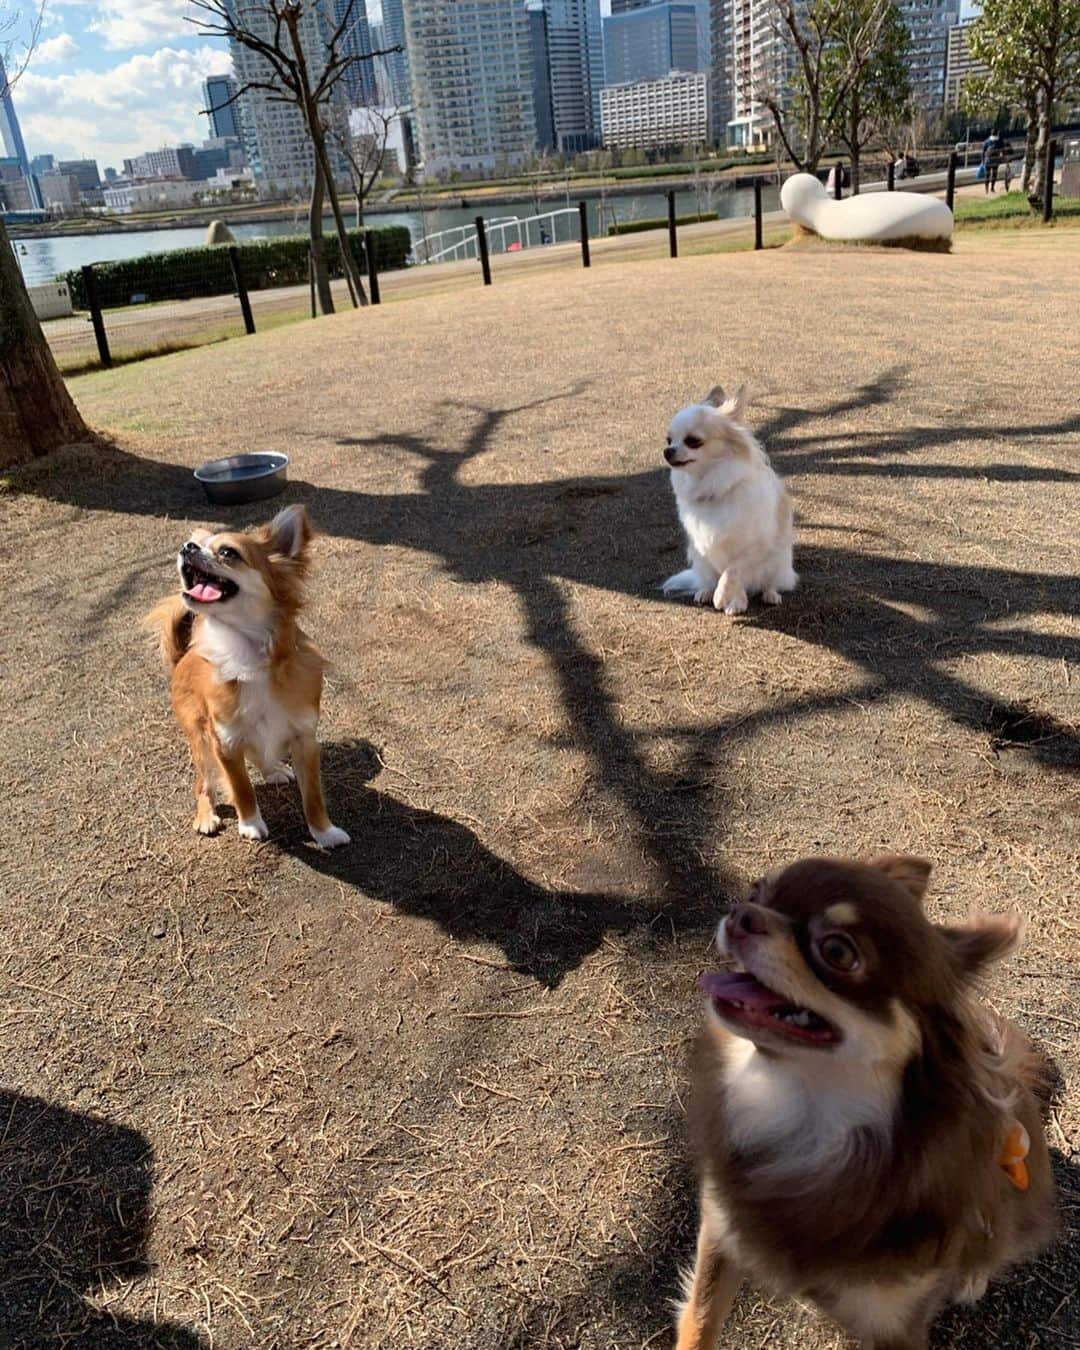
(505, 234)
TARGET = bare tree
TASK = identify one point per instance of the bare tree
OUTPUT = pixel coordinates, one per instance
(364, 152)
(804, 107)
(271, 29)
(37, 413)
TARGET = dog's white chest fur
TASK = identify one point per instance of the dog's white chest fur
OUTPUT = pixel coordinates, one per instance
(262, 725)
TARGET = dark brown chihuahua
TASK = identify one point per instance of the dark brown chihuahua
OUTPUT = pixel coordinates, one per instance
(870, 1136)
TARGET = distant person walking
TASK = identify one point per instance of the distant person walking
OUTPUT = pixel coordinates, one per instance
(991, 160)
(1006, 163)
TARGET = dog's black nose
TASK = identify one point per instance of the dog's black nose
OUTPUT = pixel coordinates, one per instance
(190, 547)
(749, 919)
(669, 453)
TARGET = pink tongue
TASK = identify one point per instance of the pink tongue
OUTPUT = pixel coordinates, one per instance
(205, 590)
(742, 988)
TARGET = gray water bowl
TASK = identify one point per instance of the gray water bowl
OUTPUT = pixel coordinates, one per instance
(244, 478)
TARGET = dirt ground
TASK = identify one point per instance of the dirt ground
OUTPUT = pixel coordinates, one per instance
(428, 1091)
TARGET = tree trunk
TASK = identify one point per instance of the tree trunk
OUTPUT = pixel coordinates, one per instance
(36, 411)
(1044, 163)
(348, 262)
(1032, 110)
(318, 144)
(315, 233)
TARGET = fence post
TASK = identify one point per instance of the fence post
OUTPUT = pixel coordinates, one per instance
(673, 238)
(241, 290)
(372, 267)
(583, 214)
(758, 243)
(482, 249)
(891, 175)
(950, 181)
(1048, 186)
(90, 285)
(838, 179)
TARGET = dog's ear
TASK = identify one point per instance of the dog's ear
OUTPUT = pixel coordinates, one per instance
(289, 533)
(715, 396)
(984, 939)
(735, 406)
(912, 873)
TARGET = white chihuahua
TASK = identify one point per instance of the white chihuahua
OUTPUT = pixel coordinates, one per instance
(735, 510)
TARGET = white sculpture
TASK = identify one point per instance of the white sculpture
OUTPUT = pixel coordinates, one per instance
(873, 218)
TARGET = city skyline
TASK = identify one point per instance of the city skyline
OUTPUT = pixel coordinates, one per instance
(120, 77)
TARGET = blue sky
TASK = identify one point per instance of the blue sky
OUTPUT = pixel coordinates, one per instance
(111, 78)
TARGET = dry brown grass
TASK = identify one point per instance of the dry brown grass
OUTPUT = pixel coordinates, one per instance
(427, 1091)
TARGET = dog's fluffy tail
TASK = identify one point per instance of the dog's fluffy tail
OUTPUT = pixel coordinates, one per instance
(682, 583)
(171, 621)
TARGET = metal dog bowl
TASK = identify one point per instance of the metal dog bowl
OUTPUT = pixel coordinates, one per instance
(244, 478)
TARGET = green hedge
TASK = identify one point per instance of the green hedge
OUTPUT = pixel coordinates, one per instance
(636, 226)
(183, 273)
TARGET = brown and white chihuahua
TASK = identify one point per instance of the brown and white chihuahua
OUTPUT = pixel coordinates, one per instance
(246, 682)
(869, 1135)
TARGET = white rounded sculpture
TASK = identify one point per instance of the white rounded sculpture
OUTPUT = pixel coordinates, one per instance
(873, 218)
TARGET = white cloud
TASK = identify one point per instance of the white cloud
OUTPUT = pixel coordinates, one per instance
(141, 104)
(53, 51)
(124, 24)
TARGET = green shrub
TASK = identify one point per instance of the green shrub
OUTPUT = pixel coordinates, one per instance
(183, 273)
(636, 226)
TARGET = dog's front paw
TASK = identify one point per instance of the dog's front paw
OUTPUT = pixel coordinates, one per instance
(280, 773)
(331, 837)
(731, 604)
(771, 597)
(254, 828)
(207, 822)
(703, 597)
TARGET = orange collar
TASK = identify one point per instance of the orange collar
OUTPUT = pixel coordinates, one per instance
(1014, 1151)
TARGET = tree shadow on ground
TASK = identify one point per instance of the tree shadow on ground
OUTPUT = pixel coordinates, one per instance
(74, 1220)
(900, 621)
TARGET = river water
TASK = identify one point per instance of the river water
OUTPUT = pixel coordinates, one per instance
(44, 258)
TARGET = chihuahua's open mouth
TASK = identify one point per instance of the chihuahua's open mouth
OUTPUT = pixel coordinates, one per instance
(205, 587)
(745, 1001)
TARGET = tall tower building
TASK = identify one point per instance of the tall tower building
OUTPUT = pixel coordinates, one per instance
(274, 135)
(758, 58)
(650, 42)
(575, 60)
(222, 109)
(11, 135)
(359, 79)
(396, 65)
(928, 23)
(472, 82)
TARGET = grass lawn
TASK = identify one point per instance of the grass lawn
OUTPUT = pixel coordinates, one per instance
(1011, 208)
(428, 1091)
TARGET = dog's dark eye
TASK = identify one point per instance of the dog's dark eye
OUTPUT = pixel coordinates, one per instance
(838, 951)
(693, 442)
(227, 554)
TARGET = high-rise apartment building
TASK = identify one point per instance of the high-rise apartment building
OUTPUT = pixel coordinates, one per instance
(571, 33)
(472, 82)
(759, 59)
(960, 65)
(12, 138)
(928, 23)
(222, 109)
(273, 133)
(398, 76)
(359, 79)
(650, 42)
